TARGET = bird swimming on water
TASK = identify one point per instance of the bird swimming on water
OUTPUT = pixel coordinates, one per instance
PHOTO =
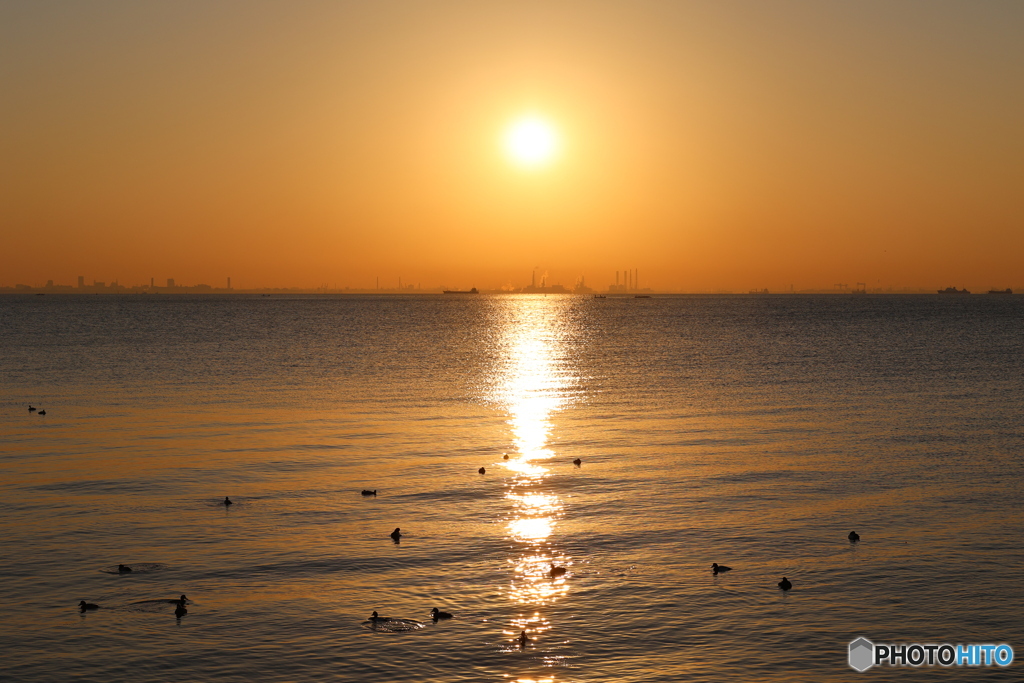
(396, 534)
(42, 412)
(577, 462)
(854, 537)
(506, 456)
(31, 409)
(482, 471)
(124, 569)
(785, 584)
(523, 639)
(557, 571)
(83, 605)
(438, 614)
(715, 567)
(227, 501)
(368, 492)
(180, 610)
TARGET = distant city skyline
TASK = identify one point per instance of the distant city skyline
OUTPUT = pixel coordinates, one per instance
(622, 281)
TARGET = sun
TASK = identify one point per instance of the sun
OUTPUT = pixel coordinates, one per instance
(531, 141)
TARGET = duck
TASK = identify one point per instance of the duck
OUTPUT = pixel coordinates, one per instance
(506, 456)
(182, 599)
(557, 571)
(368, 492)
(715, 567)
(41, 412)
(854, 537)
(124, 569)
(482, 471)
(31, 409)
(523, 639)
(437, 614)
(396, 534)
(375, 618)
(785, 584)
(227, 501)
(577, 462)
(180, 610)
(83, 605)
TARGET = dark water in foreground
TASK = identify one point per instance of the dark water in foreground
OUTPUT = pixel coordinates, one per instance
(750, 431)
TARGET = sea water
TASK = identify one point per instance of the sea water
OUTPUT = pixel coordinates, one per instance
(751, 431)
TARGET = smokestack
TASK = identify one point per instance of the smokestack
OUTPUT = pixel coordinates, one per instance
(229, 283)
(151, 283)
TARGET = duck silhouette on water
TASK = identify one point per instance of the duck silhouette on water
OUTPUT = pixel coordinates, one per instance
(716, 568)
(785, 584)
(854, 537)
(368, 492)
(41, 412)
(179, 610)
(31, 409)
(377, 619)
(482, 470)
(396, 535)
(227, 501)
(436, 614)
(523, 640)
(557, 571)
(124, 569)
(86, 606)
(577, 462)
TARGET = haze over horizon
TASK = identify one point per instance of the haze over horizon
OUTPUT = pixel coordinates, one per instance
(714, 146)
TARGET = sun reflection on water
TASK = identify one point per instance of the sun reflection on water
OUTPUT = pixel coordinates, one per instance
(533, 383)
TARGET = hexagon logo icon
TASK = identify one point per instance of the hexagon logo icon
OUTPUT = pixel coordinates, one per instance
(862, 654)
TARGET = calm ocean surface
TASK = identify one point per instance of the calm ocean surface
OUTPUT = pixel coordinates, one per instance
(752, 431)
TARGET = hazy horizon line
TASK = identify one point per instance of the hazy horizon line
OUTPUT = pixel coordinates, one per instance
(614, 290)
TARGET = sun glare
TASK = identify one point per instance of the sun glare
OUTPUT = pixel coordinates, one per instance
(531, 142)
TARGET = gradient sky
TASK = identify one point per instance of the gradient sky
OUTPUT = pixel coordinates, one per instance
(712, 145)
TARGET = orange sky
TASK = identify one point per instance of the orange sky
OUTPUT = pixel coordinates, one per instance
(712, 145)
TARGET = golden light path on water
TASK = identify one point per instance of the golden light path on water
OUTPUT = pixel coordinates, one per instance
(533, 384)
